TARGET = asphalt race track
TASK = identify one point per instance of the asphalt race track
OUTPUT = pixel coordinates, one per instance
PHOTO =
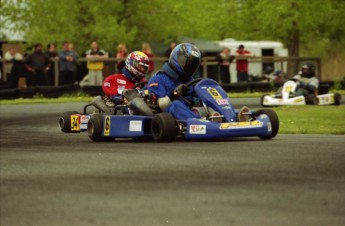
(48, 178)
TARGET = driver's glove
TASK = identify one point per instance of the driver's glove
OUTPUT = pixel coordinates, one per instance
(181, 90)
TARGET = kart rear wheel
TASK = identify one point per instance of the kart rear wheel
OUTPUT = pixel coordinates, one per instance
(163, 127)
(337, 98)
(94, 129)
(312, 100)
(65, 121)
(274, 120)
(262, 100)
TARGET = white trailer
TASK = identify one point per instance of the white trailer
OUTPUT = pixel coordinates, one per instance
(258, 48)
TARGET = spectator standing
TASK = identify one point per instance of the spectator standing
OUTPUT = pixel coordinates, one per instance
(121, 54)
(242, 64)
(146, 48)
(224, 59)
(37, 64)
(14, 63)
(172, 45)
(67, 65)
(53, 56)
(95, 67)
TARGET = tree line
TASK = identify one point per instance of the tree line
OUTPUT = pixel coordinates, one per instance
(304, 26)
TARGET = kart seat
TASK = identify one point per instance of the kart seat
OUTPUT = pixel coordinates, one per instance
(323, 89)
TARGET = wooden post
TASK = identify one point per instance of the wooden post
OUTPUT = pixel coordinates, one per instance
(56, 72)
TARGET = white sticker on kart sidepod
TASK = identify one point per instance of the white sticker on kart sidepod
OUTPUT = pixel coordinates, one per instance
(197, 129)
(135, 126)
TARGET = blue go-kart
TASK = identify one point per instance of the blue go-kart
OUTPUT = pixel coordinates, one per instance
(142, 120)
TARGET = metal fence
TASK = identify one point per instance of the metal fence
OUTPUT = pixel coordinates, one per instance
(209, 65)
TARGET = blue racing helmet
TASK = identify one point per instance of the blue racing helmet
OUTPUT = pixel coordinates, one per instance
(185, 59)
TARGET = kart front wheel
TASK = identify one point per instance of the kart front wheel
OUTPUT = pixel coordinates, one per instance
(274, 120)
(65, 121)
(94, 129)
(163, 127)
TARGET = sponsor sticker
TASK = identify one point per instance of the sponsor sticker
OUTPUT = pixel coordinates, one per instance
(107, 126)
(326, 99)
(106, 84)
(120, 81)
(222, 101)
(298, 100)
(83, 126)
(84, 118)
(75, 123)
(197, 129)
(135, 125)
(120, 89)
(236, 125)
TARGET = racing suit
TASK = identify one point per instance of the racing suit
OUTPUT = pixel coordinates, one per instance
(306, 86)
(162, 85)
(115, 84)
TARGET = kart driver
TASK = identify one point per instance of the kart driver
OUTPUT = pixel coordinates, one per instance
(306, 80)
(184, 61)
(136, 67)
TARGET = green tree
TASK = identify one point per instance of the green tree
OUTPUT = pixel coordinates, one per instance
(294, 22)
(77, 21)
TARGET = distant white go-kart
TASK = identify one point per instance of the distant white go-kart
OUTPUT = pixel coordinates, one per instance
(286, 96)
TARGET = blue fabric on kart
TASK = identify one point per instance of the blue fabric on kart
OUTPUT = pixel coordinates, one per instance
(180, 110)
(163, 84)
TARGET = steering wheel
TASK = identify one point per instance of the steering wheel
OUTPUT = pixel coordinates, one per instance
(189, 84)
(193, 82)
(140, 85)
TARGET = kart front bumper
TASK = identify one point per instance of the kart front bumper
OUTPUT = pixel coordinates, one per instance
(203, 129)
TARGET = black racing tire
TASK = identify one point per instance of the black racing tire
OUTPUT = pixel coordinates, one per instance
(312, 100)
(65, 121)
(262, 100)
(95, 129)
(337, 99)
(8, 94)
(163, 127)
(273, 119)
(49, 91)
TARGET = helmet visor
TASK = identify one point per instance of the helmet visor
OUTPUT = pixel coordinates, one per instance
(191, 65)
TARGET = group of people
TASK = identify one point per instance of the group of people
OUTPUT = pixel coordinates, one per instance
(225, 58)
(38, 67)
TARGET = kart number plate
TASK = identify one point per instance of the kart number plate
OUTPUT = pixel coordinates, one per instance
(107, 126)
(214, 93)
(75, 123)
(288, 89)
